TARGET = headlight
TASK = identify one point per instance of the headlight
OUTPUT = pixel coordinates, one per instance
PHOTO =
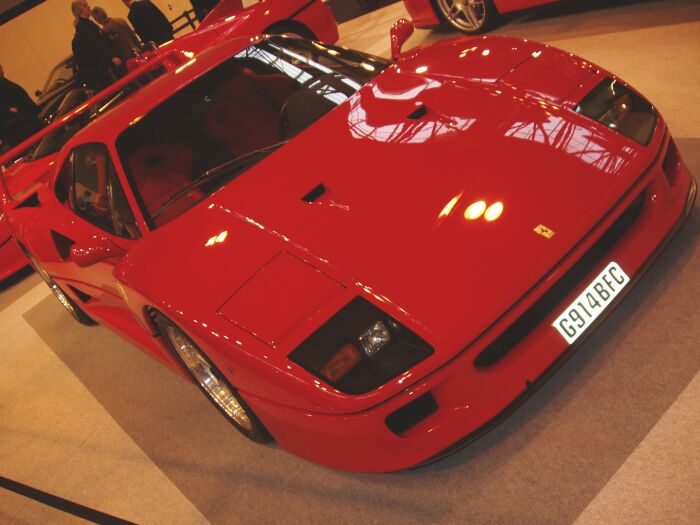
(618, 107)
(360, 348)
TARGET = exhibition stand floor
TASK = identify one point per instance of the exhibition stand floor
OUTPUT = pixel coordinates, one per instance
(613, 437)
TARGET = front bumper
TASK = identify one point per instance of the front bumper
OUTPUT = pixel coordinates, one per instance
(469, 399)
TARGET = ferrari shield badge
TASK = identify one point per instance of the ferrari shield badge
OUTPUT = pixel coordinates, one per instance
(542, 230)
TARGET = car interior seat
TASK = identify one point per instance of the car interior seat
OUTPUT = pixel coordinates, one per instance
(160, 171)
(244, 115)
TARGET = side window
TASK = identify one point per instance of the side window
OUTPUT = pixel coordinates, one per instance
(63, 181)
(96, 193)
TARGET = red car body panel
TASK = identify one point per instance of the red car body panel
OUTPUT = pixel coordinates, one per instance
(390, 228)
(424, 13)
(263, 16)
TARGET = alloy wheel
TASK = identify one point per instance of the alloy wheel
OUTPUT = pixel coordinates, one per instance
(211, 381)
(469, 16)
(209, 378)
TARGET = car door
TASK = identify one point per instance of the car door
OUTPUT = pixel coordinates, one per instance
(99, 227)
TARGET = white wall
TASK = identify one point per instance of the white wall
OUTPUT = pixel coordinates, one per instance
(33, 43)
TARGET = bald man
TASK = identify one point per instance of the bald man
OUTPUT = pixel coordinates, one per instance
(93, 50)
(119, 32)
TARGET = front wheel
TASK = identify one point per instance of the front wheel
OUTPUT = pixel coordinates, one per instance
(212, 382)
(468, 16)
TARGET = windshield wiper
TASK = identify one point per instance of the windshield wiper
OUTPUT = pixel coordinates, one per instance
(227, 168)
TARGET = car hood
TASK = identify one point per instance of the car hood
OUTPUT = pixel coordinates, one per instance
(380, 195)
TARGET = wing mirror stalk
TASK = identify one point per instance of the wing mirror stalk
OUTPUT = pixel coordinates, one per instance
(94, 250)
(400, 31)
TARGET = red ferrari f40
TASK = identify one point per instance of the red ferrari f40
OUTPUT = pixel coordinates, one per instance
(368, 260)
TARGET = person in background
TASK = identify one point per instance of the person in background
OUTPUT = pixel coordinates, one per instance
(93, 50)
(120, 33)
(18, 114)
(149, 22)
(202, 7)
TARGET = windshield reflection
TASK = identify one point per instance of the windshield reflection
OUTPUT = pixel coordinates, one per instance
(370, 115)
(405, 108)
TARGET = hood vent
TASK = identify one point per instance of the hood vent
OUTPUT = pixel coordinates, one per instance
(420, 112)
(314, 194)
(30, 202)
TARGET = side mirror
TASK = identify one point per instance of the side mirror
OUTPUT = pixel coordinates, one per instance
(94, 250)
(400, 31)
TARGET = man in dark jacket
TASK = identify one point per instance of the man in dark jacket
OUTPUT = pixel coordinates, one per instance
(93, 50)
(18, 113)
(149, 22)
(202, 7)
(125, 41)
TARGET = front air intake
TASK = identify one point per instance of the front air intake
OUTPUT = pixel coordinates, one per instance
(419, 113)
(408, 416)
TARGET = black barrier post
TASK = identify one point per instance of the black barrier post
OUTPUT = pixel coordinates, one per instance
(62, 504)
(189, 20)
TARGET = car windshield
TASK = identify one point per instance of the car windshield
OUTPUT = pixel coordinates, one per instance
(232, 117)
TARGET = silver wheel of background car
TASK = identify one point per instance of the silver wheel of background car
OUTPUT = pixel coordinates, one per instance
(469, 16)
(212, 383)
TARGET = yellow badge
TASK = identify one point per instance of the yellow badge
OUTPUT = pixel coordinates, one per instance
(542, 230)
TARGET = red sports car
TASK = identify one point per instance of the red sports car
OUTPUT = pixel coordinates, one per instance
(306, 18)
(368, 261)
(468, 16)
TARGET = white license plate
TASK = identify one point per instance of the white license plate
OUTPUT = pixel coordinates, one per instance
(581, 313)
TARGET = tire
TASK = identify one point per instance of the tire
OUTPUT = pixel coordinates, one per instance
(68, 303)
(212, 382)
(468, 16)
(291, 28)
